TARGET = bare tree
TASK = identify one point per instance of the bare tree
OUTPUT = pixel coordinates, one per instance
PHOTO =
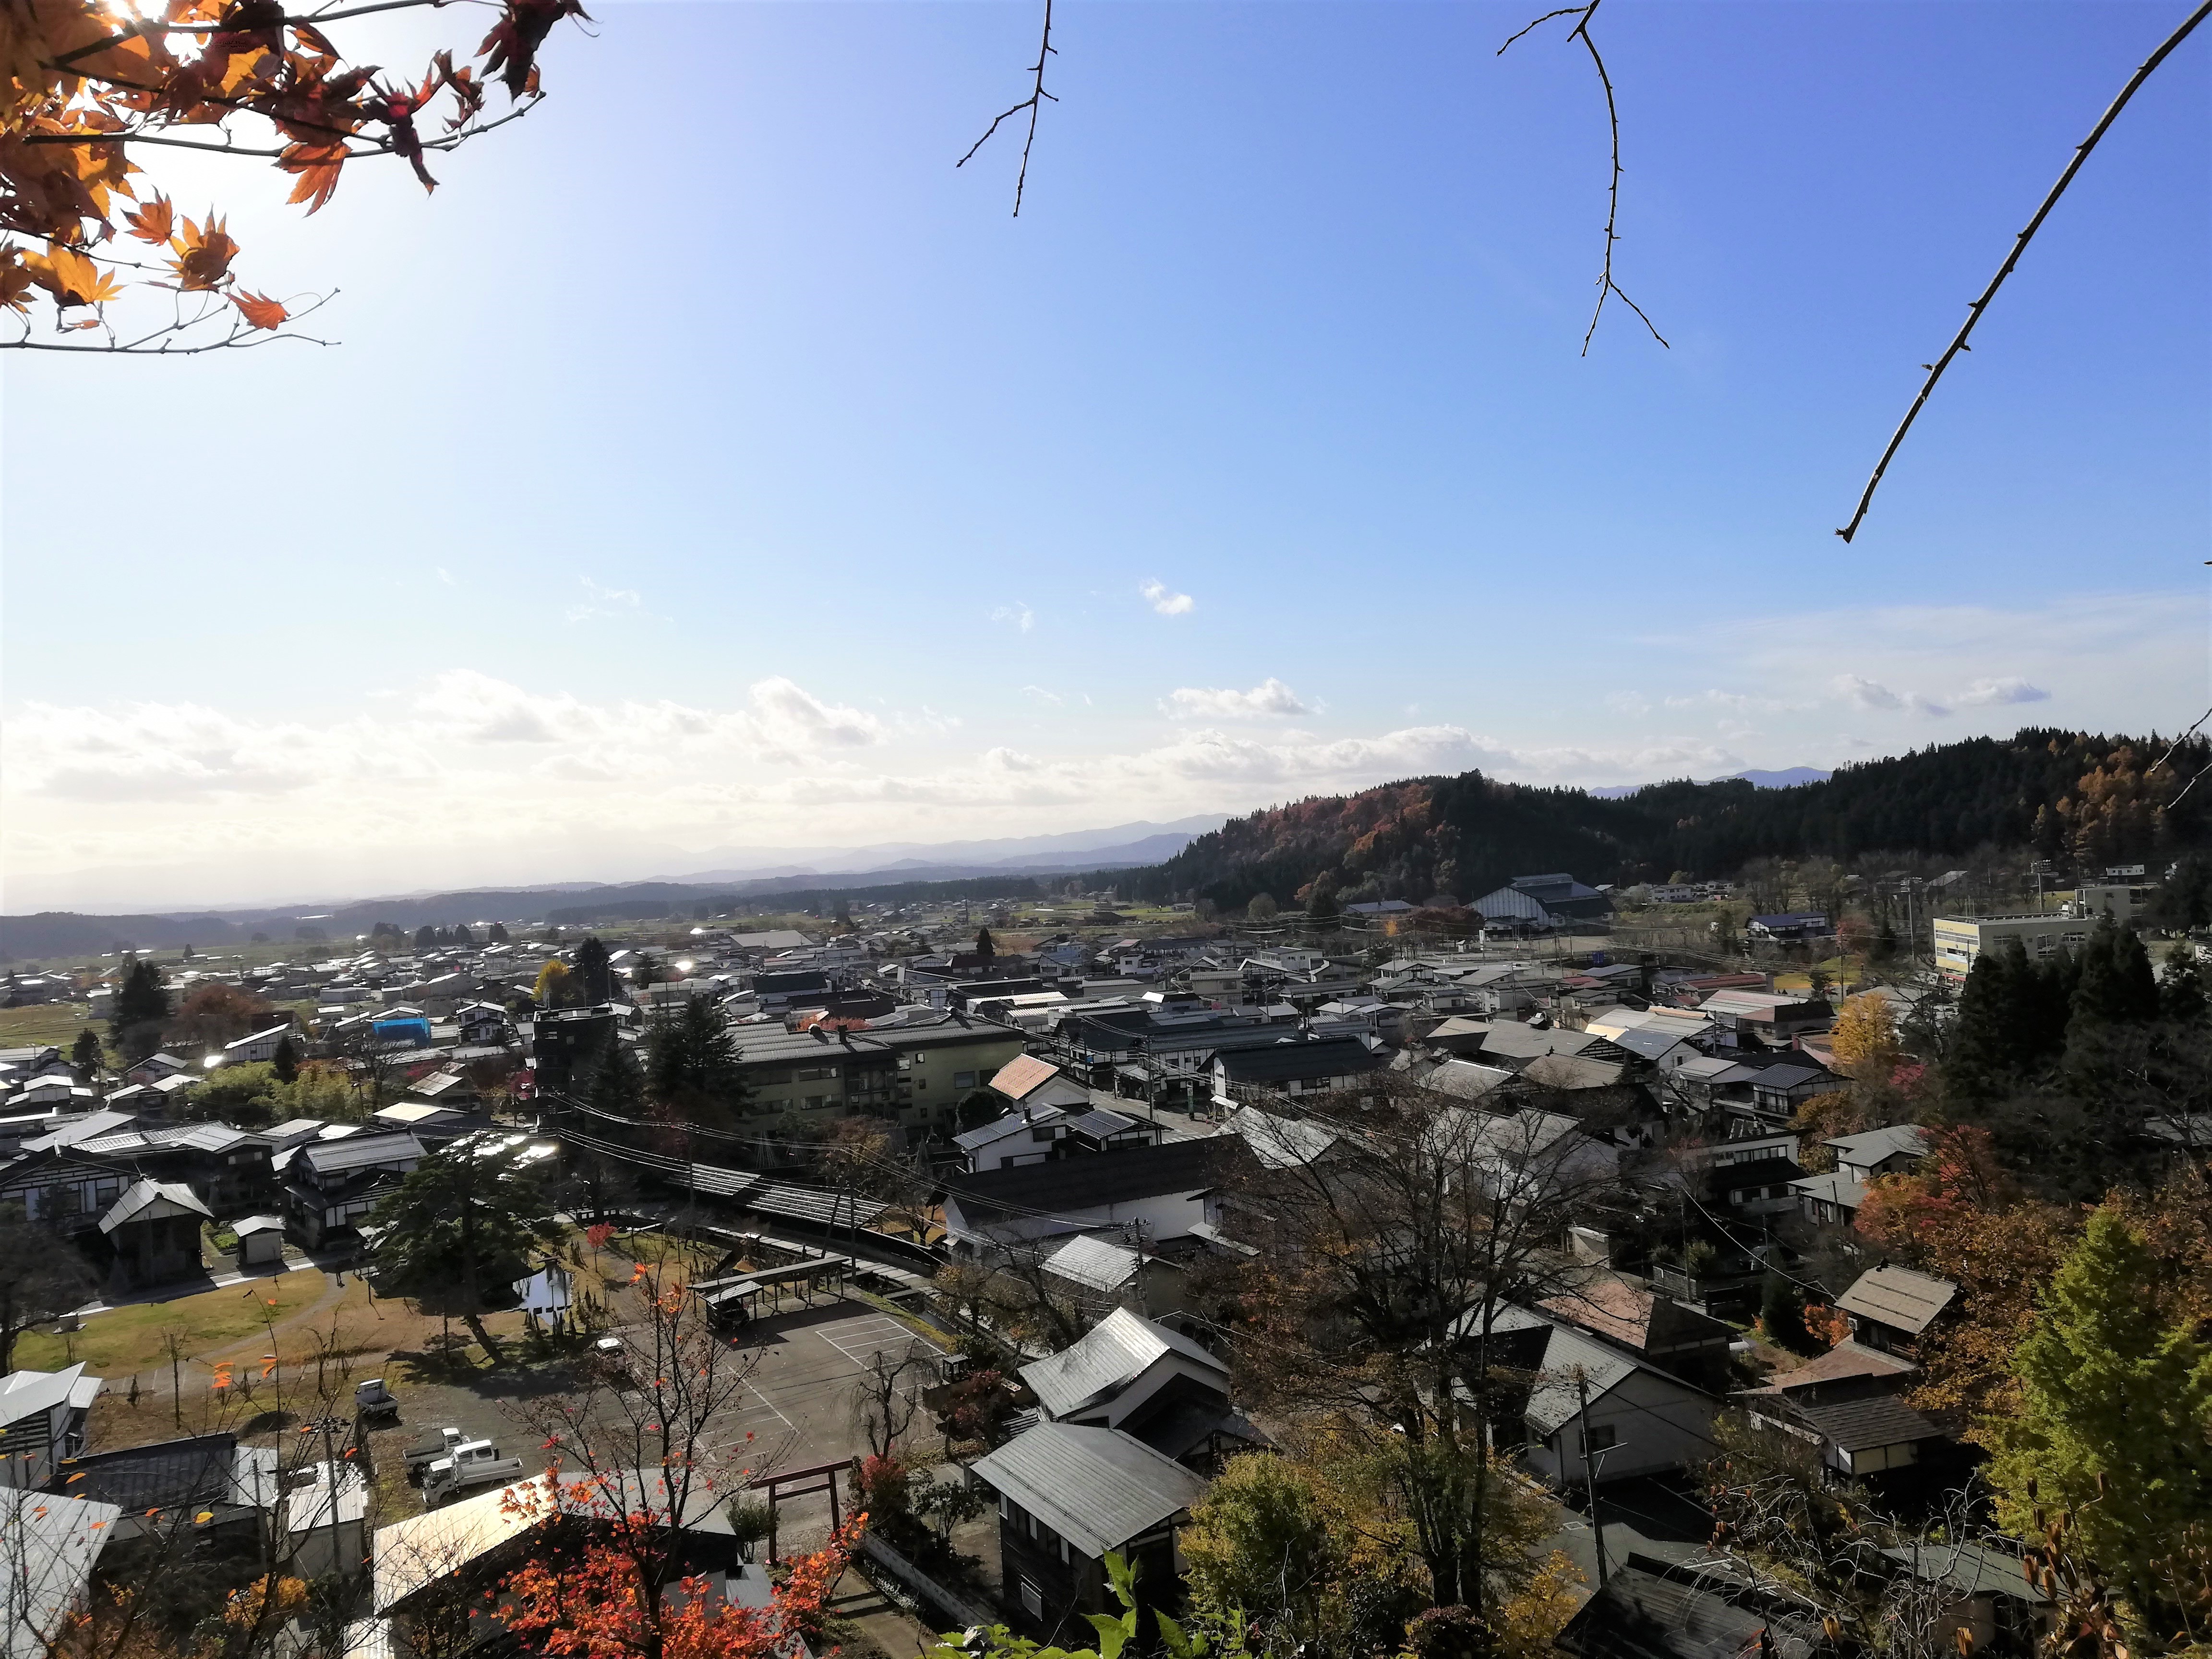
(1394, 1226)
(886, 1396)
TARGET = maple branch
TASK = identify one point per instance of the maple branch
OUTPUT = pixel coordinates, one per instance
(150, 26)
(1606, 288)
(1034, 104)
(240, 337)
(1975, 309)
(449, 141)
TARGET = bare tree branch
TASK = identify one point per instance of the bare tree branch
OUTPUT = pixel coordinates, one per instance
(1034, 103)
(2019, 246)
(1606, 286)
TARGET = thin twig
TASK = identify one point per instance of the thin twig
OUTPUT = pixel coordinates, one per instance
(2019, 246)
(1034, 103)
(1606, 286)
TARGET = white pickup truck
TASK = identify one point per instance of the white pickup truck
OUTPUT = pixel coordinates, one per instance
(472, 1466)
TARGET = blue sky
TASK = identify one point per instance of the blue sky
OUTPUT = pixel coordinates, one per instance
(709, 465)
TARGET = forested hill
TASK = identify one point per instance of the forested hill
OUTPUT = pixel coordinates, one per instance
(2070, 796)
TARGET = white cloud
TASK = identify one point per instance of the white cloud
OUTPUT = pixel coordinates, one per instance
(446, 577)
(1167, 604)
(602, 601)
(1018, 613)
(1864, 693)
(1269, 699)
(790, 722)
(1043, 696)
(1999, 693)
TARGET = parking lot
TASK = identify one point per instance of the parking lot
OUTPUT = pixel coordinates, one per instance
(792, 1410)
(797, 1404)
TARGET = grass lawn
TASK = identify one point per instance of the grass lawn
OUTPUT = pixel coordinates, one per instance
(122, 1340)
(55, 1022)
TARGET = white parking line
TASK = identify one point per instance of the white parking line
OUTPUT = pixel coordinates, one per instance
(871, 1335)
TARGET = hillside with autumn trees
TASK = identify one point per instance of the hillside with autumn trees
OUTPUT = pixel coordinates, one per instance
(2084, 801)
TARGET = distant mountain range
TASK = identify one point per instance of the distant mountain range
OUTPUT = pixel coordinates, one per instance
(1789, 780)
(769, 873)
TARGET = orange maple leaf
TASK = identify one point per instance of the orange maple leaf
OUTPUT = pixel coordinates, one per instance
(156, 223)
(260, 312)
(207, 254)
(318, 165)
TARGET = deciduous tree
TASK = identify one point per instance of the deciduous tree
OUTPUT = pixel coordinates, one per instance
(1865, 1036)
(212, 1015)
(2113, 1421)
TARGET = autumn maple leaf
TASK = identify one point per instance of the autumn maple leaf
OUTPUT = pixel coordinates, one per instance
(512, 46)
(206, 257)
(260, 312)
(156, 223)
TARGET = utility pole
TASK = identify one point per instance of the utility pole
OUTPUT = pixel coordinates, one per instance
(1589, 1476)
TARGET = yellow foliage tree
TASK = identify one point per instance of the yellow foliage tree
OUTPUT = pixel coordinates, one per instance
(1865, 1037)
(552, 988)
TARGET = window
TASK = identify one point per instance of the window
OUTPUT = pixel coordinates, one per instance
(921, 1082)
(963, 1079)
(1599, 1436)
(1032, 1599)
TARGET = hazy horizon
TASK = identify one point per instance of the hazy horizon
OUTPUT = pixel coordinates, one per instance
(811, 500)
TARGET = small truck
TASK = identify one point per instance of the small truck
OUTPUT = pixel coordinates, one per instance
(474, 1465)
(375, 1405)
(423, 1453)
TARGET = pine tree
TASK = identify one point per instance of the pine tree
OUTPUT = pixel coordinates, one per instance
(2115, 1417)
(597, 978)
(1782, 1311)
(692, 1062)
(614, 1082)
(2181, 987)
(426, 936)
(1984, 1051)
(2116, 987)
(85, 1054)
(141, 1008)
(984, 946)
(285, 1062)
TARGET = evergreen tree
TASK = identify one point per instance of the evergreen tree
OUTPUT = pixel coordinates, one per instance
(1321, 899)
(1984, 1053)
(692, 1065)
(592, 973)
(85, 1054)
(466, 1218)
(285, 1062)
(2181, 987)
(984, 947)
(426, 936)
(2116, 986)
(496, 934)
(614, 1082)
(2115, 1416)
(141, 1008)
(1782, 1311)
(462, 936)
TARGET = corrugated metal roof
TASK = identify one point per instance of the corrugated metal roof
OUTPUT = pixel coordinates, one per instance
(1097, 1263)
(144, 1200)
(53, 1546)
(1898, 1298)
(1020, 1077)
(1112, 1355)
(1097, 1488)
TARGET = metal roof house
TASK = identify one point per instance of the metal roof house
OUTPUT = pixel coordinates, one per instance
(1070, 1495)
(1891, 1308)
(1536, 903)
